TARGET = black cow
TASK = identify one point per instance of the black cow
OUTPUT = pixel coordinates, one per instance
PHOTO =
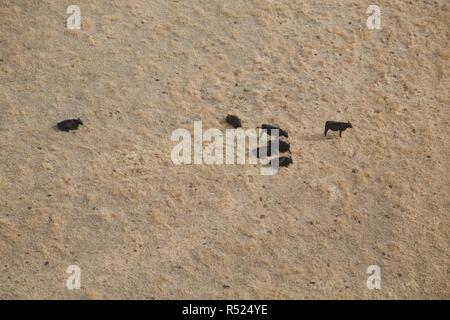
(337, 126)
(70, 124)
(270, 127)
(233, 120)
(282, 147)
(283, 161)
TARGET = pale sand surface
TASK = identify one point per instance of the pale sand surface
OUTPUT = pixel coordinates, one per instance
(109, 199)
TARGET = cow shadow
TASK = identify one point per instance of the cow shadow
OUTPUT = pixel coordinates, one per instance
(318, 137)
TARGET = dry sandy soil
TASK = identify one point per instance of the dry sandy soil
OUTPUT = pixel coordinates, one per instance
(109, 198)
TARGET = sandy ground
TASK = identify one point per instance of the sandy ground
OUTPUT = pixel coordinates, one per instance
(109, 199)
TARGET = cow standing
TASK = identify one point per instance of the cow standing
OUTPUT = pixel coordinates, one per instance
(337, 126)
